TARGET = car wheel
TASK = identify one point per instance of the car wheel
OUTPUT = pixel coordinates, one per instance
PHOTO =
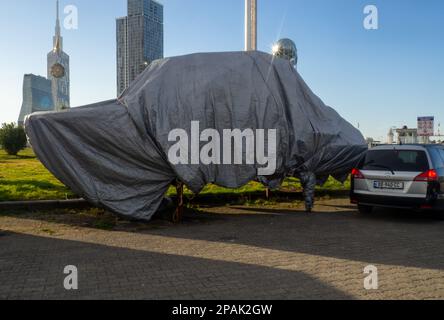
(365, 209)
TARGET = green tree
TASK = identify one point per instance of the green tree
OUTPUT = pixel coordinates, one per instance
(12, 138)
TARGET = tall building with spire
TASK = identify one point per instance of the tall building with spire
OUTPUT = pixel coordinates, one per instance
(139, 40)
(51, 93)
(58, 69)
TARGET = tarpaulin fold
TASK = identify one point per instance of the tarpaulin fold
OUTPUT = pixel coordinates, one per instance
(115, 153)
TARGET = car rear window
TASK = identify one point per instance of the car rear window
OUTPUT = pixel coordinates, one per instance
(396, 160)
(441, 153)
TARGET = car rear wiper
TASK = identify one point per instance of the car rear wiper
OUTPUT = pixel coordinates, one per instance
(373, 164)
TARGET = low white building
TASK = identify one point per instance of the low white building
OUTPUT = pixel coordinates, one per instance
(408, 135)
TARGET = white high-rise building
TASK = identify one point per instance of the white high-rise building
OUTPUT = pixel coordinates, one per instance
(250, 25)
(51, 93)
(58, 69)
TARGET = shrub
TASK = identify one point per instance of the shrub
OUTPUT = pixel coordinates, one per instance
(12, 138)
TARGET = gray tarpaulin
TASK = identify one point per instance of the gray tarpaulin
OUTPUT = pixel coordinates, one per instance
(115, 153)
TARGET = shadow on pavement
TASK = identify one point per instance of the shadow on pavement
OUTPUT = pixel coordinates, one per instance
(32, 268)
(385, 237)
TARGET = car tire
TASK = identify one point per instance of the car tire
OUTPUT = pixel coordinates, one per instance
(363, 209)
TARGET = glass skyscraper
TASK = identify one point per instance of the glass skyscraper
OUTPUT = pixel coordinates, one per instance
(139, 40)
(37, 96)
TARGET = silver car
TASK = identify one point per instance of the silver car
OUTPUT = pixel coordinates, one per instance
(400, 176)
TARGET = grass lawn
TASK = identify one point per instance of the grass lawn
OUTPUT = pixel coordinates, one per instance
(25, 178)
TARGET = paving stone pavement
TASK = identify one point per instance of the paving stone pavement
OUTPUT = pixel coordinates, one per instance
(228, 253)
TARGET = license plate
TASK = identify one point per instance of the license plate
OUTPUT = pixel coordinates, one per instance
(392, 185)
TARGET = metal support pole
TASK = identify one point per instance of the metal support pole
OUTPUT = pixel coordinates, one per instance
(250, 25)
(178, 215)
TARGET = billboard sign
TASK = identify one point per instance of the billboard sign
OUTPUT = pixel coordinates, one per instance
(426, 126)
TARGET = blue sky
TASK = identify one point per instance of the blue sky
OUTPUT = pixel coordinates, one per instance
(379, 78)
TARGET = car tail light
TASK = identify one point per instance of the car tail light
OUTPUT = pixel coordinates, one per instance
(427, 176)
(356, 174)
